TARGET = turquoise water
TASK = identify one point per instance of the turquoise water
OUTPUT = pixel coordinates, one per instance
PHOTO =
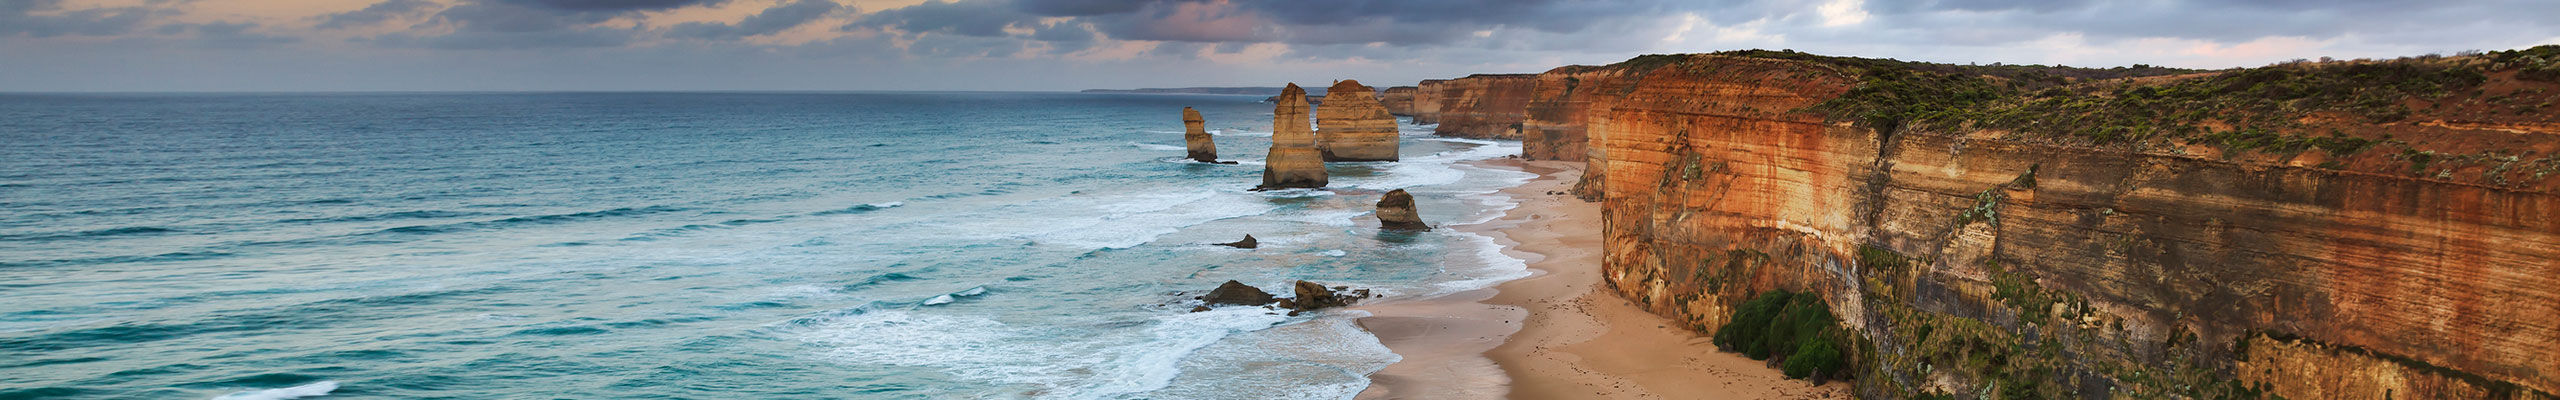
(691, 245)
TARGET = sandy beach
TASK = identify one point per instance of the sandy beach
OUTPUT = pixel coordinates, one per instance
(1551, 335)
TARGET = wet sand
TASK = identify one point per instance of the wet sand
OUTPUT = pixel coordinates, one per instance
(1551, 336)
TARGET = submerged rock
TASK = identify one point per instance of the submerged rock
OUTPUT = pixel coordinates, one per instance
(1294, 161)
(1235, 293)
(1354, 127)
(1203, 148)
(1315, 296)
(1395, 211)
(1247, 243)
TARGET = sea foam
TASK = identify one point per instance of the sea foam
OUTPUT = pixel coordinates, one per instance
(321, 388)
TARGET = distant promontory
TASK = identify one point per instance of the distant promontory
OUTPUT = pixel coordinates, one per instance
(1253, 91)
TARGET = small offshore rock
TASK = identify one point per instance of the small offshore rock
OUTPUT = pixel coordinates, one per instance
(1395, 211)
(1314, 296)
(1236, 293)
(1247, 243)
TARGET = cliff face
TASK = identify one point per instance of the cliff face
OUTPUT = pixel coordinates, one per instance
(1294, 161)
(1976, 261)
(1398, 100)
(1427, 98)
(1486, 106)
(1354, 127)
(1554, 127)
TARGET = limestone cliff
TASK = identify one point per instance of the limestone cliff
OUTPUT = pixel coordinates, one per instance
(1355, 128)
(2094, 233)
(1294, 161)
(1426, 100)
(1398, 100)
(1202, 147)
(1488, 106)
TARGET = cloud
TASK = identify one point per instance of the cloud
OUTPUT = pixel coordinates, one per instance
(376, 14)
(46, 18)
(612, 6)
(228, 35)
(966, 18)
(772, 20)
(532, 24)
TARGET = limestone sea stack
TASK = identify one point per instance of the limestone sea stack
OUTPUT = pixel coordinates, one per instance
(1395, 211)
(1203, 149)
(1354, 127)
(1294, 161)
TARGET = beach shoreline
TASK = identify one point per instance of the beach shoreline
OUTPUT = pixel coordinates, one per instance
(1551, 334)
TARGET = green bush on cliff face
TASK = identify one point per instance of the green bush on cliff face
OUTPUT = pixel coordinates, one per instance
(1793, 326)
(1814, 355)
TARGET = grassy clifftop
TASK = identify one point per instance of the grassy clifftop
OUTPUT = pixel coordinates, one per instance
(2479, 117)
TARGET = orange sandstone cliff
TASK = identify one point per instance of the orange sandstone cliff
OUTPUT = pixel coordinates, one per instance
(2371, 229)
(1353, 127)
(1398, 100)
(1489, 106)
(1426, 100)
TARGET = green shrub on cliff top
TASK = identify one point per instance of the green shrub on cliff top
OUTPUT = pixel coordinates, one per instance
(2101, 106)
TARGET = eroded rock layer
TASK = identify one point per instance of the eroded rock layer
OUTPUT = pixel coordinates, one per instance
(1979, 262)
(1202, 147)
(1294, 161)
(1426, 100)
(1353, 127)
(1488, 106)
(1398, 100)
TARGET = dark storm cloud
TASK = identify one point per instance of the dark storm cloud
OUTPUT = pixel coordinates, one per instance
(612, 6)
(1079, 8)
(968, 18)
(772, 20)
(18, 17)
(375, 14)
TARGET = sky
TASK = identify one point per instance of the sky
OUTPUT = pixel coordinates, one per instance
(1040, 45)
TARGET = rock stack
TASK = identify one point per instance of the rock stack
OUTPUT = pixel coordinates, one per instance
(1395, 211)
(1203, 149)
(1353, 127)
(1294, 161)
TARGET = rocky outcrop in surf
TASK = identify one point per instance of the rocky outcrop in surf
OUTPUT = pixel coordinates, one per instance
(1235, 293)
(1294, 161)
(1353, 127)
(1313, 296)
(1395, 211)
(1247, 243)
(1196, 137)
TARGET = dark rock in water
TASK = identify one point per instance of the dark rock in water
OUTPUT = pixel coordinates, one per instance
(1236, 293)
(1315, 296)
(1247, 243)
(1288, 303)
(1395, 211)
(1199, 308)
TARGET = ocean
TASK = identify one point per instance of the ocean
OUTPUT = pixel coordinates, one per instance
(694, 245)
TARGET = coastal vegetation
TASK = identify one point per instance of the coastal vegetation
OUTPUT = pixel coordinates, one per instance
(1795, 328)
